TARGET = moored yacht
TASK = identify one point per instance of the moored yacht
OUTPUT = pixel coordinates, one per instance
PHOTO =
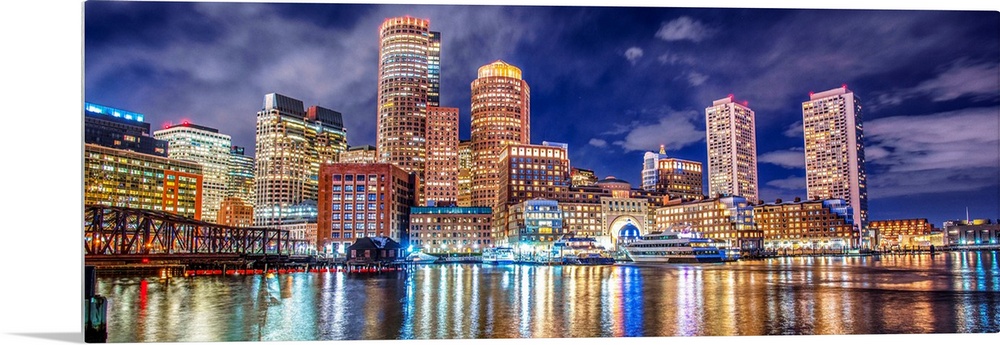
(675, 247)
(498, 255)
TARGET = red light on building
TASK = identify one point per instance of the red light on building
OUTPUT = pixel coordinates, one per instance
(844, 86)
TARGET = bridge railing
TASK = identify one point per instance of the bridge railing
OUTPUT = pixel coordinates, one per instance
(112, 230)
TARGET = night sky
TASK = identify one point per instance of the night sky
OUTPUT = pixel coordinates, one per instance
(613, 83)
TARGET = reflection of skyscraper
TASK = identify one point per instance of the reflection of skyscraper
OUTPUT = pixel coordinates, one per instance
(403, 82)
(500, 117)
(291, 144)
(205, 146)
(441, 178)
(732, 149)
(835, 150)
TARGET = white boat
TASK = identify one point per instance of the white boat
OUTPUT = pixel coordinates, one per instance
(674, 247)
(498, 255)
(569, 249)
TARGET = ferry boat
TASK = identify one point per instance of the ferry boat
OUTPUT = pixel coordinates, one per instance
(498, 255)
(675, 247)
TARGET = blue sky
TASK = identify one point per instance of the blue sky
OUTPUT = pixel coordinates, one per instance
(611, 82)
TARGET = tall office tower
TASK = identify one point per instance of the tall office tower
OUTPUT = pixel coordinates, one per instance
(291, 144)
(732, 150)
(205, 146)
(464, 173)
(241, 172)
(835, 150)
(119, 129)
(650, 172)
(441, 177)
(500, 117)
(403, 82)
(434, 70)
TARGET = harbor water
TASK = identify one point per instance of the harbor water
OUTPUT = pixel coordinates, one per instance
(955, 292)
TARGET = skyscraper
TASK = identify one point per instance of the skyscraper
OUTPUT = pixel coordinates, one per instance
(464, 173)
(650, 173)
(291, 144)
(732, 149)
(835, 150)
(434, 70)
(119, 129)
(500, 117)
(205, 146)
(441, 177)
(403, 83)
(241, 172)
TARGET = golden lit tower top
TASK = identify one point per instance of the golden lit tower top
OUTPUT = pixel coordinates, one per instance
(500, 117)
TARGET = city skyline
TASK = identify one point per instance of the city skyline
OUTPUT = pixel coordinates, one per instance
(613, 87)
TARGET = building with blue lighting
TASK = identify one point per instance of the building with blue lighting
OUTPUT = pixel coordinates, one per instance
(976, 233)
(119, 129)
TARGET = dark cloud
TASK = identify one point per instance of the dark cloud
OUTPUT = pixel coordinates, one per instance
(591, 87)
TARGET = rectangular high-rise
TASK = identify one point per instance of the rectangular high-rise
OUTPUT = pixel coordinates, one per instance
(119, 129)
(441, 174)
(241, 175)
(835, 150)
(732, 149)
(125, 178)
(211, 149)
(291, 144)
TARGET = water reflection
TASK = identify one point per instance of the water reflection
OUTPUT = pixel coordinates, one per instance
(947, 293)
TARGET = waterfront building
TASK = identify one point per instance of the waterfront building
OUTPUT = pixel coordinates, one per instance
(619, 188)
(122, 178)
(234, 211)
(528, 172)
(374, 251)
(500, 117)
(441, 177)
(580, 177)
(583, 219)
(892, 233)
(650, 168)
(205, 146)
(464, 197)
(727, 218)
(403, 82)
(807, 225)
(291, 144)
(359, 154)
(679, 178)
(835, 150)
(363, 200)
(451, 229)
(241, 176)
(623, 217)
(732, 149)
(972, 233)
(533, 225)
(119, 129)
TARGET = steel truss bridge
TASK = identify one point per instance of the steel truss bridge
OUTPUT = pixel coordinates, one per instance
(119, 234)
